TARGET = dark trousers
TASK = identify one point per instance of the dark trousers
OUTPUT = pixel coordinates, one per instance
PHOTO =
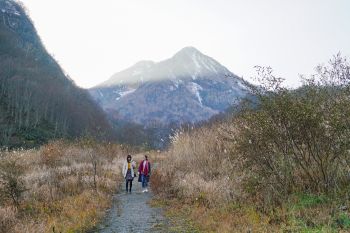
(127, 185)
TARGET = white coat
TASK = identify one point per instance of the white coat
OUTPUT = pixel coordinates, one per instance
(125, 168)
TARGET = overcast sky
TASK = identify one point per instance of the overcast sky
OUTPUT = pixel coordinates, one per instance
(94, 39)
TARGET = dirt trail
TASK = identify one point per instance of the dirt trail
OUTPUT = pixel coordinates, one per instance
(132, 213)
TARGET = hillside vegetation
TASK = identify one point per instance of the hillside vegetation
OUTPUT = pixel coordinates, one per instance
(61, 187)
(281, 164)
(38, 101)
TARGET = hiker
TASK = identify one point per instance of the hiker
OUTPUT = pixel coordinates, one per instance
(144, 173)
(128, 172)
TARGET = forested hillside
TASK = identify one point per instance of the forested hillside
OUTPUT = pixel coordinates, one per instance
(37, 100)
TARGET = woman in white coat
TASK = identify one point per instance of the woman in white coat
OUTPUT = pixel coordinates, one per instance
(128, 172)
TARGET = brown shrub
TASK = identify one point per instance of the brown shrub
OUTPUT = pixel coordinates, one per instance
(52, 152)
(11, 182)
(7, 219)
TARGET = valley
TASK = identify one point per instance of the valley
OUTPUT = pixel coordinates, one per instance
(226, 155)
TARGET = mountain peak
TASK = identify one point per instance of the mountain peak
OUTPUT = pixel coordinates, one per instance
(188, 51)
(144, 63)
(187, 87)
(188, 63)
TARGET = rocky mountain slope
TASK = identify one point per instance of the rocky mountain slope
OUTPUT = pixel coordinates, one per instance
(186, 88)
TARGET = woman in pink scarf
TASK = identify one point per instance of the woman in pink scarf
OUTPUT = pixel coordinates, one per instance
(144, 172)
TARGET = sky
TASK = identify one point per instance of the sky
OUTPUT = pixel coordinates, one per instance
(92, 40)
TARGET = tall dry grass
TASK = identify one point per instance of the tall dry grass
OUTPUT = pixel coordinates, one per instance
(67, 186)
(200, 167)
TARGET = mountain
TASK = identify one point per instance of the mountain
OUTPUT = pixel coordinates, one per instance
(187, 88)
(37, 100)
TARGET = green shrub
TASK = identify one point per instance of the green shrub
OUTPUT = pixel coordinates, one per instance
(343, 221)
(297, 140)
(309, 200)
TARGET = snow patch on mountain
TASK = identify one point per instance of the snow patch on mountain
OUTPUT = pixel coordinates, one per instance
(101, 94)
(195, 89)
(177, 82)
(194, 59)
(123, 93)
(242, 86)
(136, 72)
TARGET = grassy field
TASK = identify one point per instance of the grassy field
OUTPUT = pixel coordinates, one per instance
(61, 187)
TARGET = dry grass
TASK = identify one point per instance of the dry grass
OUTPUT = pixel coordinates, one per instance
(199, 167)
(231, 218)
(202, 179)
(64, 193)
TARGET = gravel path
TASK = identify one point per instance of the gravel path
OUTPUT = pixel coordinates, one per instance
(132, 213)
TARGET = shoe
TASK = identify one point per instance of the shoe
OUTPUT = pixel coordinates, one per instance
(144, 190)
